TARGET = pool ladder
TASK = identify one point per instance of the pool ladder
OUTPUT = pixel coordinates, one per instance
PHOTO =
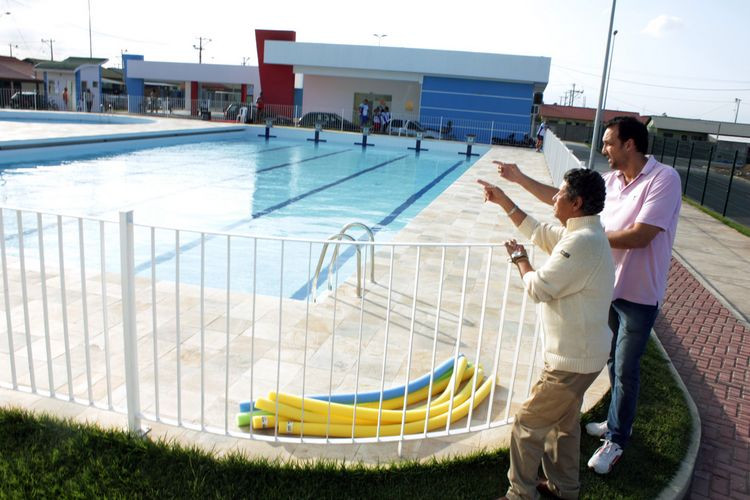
(342, 234)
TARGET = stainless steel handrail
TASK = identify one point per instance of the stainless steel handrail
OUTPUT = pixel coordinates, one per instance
(371, 236)
(338, 237)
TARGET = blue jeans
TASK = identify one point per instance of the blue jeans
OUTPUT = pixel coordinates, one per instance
(631, 325)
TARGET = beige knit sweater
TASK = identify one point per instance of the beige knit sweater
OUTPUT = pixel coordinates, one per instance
(574, 287)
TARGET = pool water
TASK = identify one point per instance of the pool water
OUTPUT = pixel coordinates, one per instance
(279, 188)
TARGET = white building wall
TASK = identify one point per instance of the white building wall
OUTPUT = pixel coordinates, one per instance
(336, 94)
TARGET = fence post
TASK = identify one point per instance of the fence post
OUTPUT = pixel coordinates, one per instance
(663, 147)
(729, 187)
(676, 150)
(127, 282)
(690, 161)
(708, 167)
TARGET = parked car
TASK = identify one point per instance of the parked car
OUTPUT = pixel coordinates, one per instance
(27, 100)
(410, 128)
(329, 121)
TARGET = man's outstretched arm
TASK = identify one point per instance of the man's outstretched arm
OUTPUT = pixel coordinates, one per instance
(511, 172)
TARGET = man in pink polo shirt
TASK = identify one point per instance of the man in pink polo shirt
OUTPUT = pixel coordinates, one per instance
(640, 216)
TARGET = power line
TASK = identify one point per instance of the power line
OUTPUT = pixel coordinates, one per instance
(673, 87)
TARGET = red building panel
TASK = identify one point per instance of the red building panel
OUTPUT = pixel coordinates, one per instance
(276, 80)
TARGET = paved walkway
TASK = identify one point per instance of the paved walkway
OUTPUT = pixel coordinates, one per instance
(704, 329)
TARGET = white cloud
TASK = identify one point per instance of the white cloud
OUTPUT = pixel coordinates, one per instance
(661, 25)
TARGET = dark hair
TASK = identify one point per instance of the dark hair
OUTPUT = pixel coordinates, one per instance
(587, 184)
(629, 127)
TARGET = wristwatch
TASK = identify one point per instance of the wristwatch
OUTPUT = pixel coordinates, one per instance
(518, 255)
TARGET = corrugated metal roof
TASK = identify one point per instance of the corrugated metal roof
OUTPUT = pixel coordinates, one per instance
(15, 69)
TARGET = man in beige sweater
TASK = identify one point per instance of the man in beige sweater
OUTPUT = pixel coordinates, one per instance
(574, 287)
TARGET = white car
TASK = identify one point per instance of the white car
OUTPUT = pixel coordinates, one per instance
(410, 128)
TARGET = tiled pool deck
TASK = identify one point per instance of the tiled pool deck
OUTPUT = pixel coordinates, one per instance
(458, 215)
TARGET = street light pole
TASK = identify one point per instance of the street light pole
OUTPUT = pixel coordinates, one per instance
(597, 118)
(379, 37)
(737, 111)
(609, 70)
(91, 52)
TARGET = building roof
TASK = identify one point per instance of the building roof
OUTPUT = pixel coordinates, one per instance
(15, 69)
(583, 114)
(405, 63)
(70, 64)
(700, 126)
(112, 74)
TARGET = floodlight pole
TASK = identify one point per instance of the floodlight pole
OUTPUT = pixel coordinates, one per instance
(595, 136)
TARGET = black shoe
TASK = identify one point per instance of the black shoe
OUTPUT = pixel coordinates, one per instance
(543, 488)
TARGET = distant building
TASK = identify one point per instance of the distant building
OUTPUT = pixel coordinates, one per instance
(15, 76)
(77, 74)
(435, 86)
(691, 129)
(573, 123)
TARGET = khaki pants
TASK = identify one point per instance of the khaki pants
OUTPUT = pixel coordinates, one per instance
(547, 430)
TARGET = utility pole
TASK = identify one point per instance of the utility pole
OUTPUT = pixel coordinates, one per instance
(571, 95)
(10, 45)
(199, 47)
(51, 54)
(737, 111)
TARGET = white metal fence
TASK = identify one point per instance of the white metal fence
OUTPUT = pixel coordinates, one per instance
(559, 158)
(341, 119)
(85, 323)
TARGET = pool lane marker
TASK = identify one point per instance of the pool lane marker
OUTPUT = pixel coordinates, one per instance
(166, 256)
(344, 256)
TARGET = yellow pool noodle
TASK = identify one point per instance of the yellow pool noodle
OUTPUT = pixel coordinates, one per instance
(394, 429)
(347, 411)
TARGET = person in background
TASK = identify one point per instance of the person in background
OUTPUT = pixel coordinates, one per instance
(65, 98)
(385, 119)
(574, 287)
(640, 216)
(259, 105)
(364, 110)
(540, 136)
(376, 120)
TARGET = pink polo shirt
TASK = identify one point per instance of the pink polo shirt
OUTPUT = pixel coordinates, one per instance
(654, 197)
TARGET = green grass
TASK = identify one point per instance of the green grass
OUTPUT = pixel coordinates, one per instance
(41, 456)
(742, 229)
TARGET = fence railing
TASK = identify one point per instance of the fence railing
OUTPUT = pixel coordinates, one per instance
(717, 175)
(341, 119)
(167, 325)
(558, 157)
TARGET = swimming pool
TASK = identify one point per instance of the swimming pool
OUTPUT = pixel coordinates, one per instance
(243, 185)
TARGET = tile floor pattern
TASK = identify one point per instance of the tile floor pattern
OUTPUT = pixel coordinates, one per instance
(710, 348)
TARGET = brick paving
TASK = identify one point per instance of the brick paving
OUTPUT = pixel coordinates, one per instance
(710, 348)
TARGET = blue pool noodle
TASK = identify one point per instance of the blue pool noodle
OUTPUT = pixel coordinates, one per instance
(373, 396)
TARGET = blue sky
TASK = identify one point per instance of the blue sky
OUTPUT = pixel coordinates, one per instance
(685, 58)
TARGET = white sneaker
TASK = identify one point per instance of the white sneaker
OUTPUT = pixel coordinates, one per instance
(597, 429)
(605, 457)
